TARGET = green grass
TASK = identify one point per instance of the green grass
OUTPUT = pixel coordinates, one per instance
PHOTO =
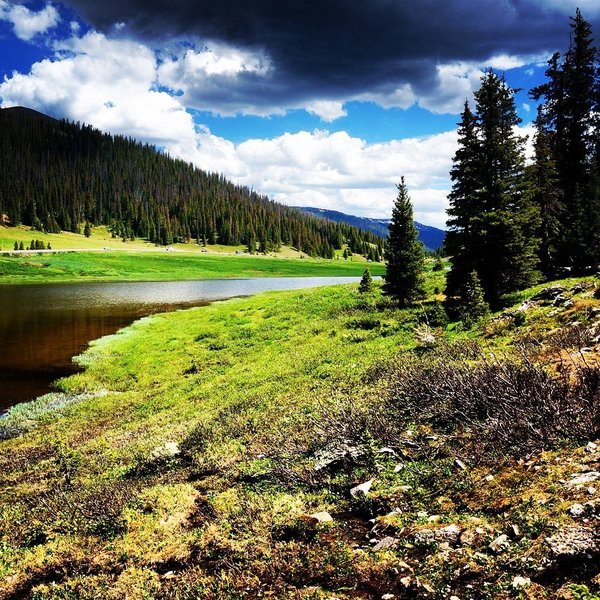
(162, 265)
(95, 504)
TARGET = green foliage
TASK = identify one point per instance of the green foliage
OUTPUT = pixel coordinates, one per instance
(493, 221)
(404, 278)
(366, 282)
(62, 174)
(472, 306)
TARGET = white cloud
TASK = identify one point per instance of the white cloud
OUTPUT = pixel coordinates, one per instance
(327, 110)
(338, 171)
(106, 83)
(27, 23)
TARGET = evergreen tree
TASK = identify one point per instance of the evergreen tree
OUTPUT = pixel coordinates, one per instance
(404, 253)
(87, 230)
(493, 221)
(16, 246)
(569, 119)
(472, 306)
(366, 282)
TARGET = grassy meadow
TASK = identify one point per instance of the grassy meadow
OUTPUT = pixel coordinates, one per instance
(216, 453)
(102, 258)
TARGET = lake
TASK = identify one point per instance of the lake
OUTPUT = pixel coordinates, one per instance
(43, 326)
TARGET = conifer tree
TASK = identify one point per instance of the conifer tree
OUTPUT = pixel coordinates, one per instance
(404, 253)
(472, 306)
(87, 230)
(366, 282)
(493, 222)
(569, 118)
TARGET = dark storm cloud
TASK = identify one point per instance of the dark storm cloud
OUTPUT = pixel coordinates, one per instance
(342, 48)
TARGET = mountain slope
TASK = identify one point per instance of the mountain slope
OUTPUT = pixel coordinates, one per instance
(59, 175)
(432, 237)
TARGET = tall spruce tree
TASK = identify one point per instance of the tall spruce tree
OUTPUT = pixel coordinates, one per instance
(459, 242)
(493, 220)
(404, 253)
(569, 119)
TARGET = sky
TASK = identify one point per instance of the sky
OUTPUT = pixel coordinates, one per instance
(324, 104)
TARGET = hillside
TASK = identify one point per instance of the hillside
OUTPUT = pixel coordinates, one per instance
(61, 175)
(431, 237)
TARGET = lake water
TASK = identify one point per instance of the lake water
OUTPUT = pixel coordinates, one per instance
(43, 326)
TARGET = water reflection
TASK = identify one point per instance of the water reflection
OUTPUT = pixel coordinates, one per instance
(43, 326)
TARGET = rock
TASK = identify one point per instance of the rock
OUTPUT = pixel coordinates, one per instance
(168, 450)
(500, 544)
(335, 454)
(583, 478)
(449, 535)
(388, 597)
(460, 464)
(489, 478)
(398, 468)
(591, 490)
(519, 583)
(516, 531)
(577, 510)
(591, 447)
(549, 293)
(386, 450)
(387, 543)
(362, 489)
(322, 517)
(574, 542)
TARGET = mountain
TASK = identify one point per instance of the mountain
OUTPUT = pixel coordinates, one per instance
(56, 175)
(432, 237)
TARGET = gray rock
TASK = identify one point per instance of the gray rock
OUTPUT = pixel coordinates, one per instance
(574, 542)
(449, 535)
(500, 544)
(577, 510)
(583, 478)
(362, 489)
(549, 293)
(322, 517)
(386, 543)
(336, 453)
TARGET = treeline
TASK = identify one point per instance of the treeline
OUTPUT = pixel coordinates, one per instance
(509, 222)
(58, 176)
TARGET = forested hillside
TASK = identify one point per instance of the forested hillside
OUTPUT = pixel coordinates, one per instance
(58, 176)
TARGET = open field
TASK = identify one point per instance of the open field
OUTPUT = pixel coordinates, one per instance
(162, 265)
(196, 455)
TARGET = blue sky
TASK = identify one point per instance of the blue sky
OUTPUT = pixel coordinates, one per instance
(321, 104)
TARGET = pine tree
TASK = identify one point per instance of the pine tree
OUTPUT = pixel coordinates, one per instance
(366, 282)
(463, 211)
(87, 230)
(404, 253)
(569, 118)
(472, 307)
(16, 246)
(493, 224)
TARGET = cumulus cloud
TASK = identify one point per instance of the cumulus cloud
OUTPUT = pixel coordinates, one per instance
(109, 84)
(338, 171)
(27, 23)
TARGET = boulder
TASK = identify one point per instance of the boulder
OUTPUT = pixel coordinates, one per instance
(574, 542)
(449, 535)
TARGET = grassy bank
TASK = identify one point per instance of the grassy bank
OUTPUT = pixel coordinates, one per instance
(215, 453)
(162, 265)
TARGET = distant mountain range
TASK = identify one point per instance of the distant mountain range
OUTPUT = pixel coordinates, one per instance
(432, 237)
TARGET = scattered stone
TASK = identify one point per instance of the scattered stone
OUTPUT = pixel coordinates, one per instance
(591, 490)
(388, 597)
(583, 478)
(398, 468)
(489, 478)
(454, 598)
(549, 293)
(406, 581)
(500, 544)
(460, 464)
(449, 535)
(434, 518)
(387, 543)
(519, 582)
(168, 450)
(168, 575)
(516, 531)
(591, 447)
(322, 517)
(335, 454)
(574, 542)
(577, 510)
(362, 489)
(387, 451)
